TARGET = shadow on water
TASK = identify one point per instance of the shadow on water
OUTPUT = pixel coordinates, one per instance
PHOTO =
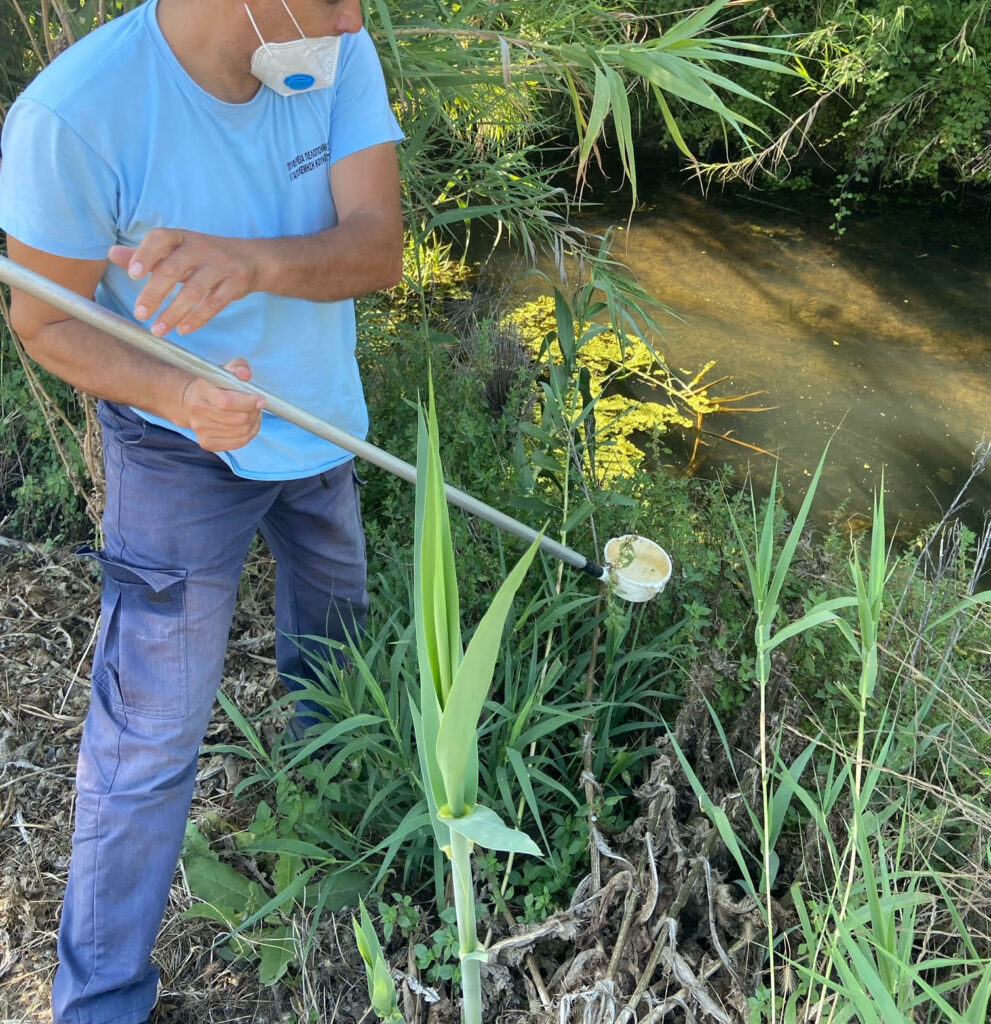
(880, 339)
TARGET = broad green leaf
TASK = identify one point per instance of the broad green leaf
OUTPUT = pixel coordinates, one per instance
(688, 27)
(565, 328)
(381, 987)
(788, 783)
(278, 950)
(338, 889)
(542, 460)
(597, 116)
(194, 843)
(623, 126)
(363, 933)
(278, 900)
(486, 829)
(816, 616)
(438, 631)
(670, 122)
(456, 737)
(226, 916)
(383, 993)
(580, 514)
(287, 869)
(217, 883)
(794, 535)
(523, 778)
(433, 781)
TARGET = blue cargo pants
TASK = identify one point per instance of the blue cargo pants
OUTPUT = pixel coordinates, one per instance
(177, 527)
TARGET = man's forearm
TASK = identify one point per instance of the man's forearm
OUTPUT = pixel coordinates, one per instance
(221, 419)
(361, 256)
(104, 367)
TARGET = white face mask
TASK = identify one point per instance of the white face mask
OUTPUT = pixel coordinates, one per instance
(298, 65)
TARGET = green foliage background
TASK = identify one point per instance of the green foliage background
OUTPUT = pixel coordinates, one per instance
(900, 93)
(502, 105)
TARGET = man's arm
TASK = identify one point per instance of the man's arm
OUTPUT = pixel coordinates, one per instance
(99, 364)
(361, 254)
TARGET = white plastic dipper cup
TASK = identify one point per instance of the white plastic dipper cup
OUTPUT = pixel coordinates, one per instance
(638, 568)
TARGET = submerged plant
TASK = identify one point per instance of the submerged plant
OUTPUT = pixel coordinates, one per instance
(454, 684)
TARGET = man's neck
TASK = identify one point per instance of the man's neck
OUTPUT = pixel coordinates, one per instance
(215, 54)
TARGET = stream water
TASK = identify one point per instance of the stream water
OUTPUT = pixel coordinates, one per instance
(880, 339)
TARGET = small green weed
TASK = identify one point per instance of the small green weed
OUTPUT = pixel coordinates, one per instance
(398, 916)
(438, 958)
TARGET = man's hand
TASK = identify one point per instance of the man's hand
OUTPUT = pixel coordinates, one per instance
(213, 272)
(221, 419)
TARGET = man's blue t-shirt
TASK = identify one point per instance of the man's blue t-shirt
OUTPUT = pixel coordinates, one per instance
(114, 138)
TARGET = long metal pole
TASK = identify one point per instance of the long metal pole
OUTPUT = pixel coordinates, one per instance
(131, 333)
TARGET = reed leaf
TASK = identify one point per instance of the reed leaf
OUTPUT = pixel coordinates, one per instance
(454, 686)
(381, 988)
(457, 746)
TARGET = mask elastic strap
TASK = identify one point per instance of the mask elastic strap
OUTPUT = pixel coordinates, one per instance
(251, 18)
(294, 21)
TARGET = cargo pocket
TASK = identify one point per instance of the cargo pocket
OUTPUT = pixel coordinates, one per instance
(143, 644)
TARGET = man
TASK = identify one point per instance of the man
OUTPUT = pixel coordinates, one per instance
(224, 173)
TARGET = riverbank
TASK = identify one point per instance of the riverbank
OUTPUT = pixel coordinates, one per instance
(642, 729)
(710, 755)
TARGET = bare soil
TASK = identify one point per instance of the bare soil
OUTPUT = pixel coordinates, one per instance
(654, 932)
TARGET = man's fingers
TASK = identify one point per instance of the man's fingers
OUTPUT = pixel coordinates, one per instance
(223, 419)
(178, 313)
(219, 405)
(155, 247)
(211, 272)
(159, 255)
(164, 277)
(121, 255)
(220, 440)
(209, 305)
(239, 367)
(229, 403)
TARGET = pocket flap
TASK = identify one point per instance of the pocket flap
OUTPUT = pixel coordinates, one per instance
(159, 580)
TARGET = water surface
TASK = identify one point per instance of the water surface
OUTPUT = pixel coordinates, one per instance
(878, 339)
